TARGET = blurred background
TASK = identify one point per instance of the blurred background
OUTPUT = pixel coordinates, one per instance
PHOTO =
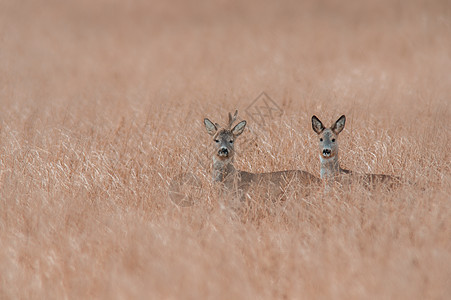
(311, 53)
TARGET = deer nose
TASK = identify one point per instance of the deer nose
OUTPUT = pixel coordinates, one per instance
(326, 152)
(223, 151)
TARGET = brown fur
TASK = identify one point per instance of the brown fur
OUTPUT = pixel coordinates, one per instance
(273, 184)
(331, 170)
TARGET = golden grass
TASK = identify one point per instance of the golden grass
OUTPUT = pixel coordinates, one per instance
(102, 104)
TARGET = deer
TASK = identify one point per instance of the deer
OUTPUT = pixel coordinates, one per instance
(331, 170)
(233, 180)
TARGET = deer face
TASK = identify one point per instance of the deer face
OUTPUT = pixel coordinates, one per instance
(224, 138)
(328, 144)
(223, 143)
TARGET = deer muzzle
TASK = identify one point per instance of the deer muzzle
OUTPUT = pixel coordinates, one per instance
(223, 152)
(327, 152)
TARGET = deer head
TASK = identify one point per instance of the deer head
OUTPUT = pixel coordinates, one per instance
(224, 137)
(328, 144)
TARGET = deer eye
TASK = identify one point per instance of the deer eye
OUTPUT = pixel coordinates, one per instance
(333, 140)
(231, 142)
(217, 141)
(321, 139)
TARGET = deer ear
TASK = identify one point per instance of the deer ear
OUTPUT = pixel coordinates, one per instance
(317, 126)
(211, 128)
(239, 128)
(339, 125)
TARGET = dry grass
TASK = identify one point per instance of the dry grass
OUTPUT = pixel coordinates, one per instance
(102, 104)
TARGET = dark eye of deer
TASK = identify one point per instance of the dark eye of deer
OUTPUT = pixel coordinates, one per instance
(321, 139)
(217, 141)
(231, 142)
(333, 140)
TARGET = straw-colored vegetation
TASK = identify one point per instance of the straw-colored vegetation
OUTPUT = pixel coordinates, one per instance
(102, 105)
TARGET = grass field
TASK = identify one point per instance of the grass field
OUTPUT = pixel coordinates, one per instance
(102, 105)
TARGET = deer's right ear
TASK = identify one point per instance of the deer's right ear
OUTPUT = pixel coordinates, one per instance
(339, 125)
(211, 128)
(317, 126)
(239, 128)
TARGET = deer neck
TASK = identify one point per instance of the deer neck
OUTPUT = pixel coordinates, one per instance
(330, 167)
(222, 169)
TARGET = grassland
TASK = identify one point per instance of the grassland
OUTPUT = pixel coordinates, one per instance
(102, 105)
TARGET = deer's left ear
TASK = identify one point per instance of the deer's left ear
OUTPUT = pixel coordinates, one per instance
(317, 125)
(339, 125)
(239, 128)
(211, 128)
